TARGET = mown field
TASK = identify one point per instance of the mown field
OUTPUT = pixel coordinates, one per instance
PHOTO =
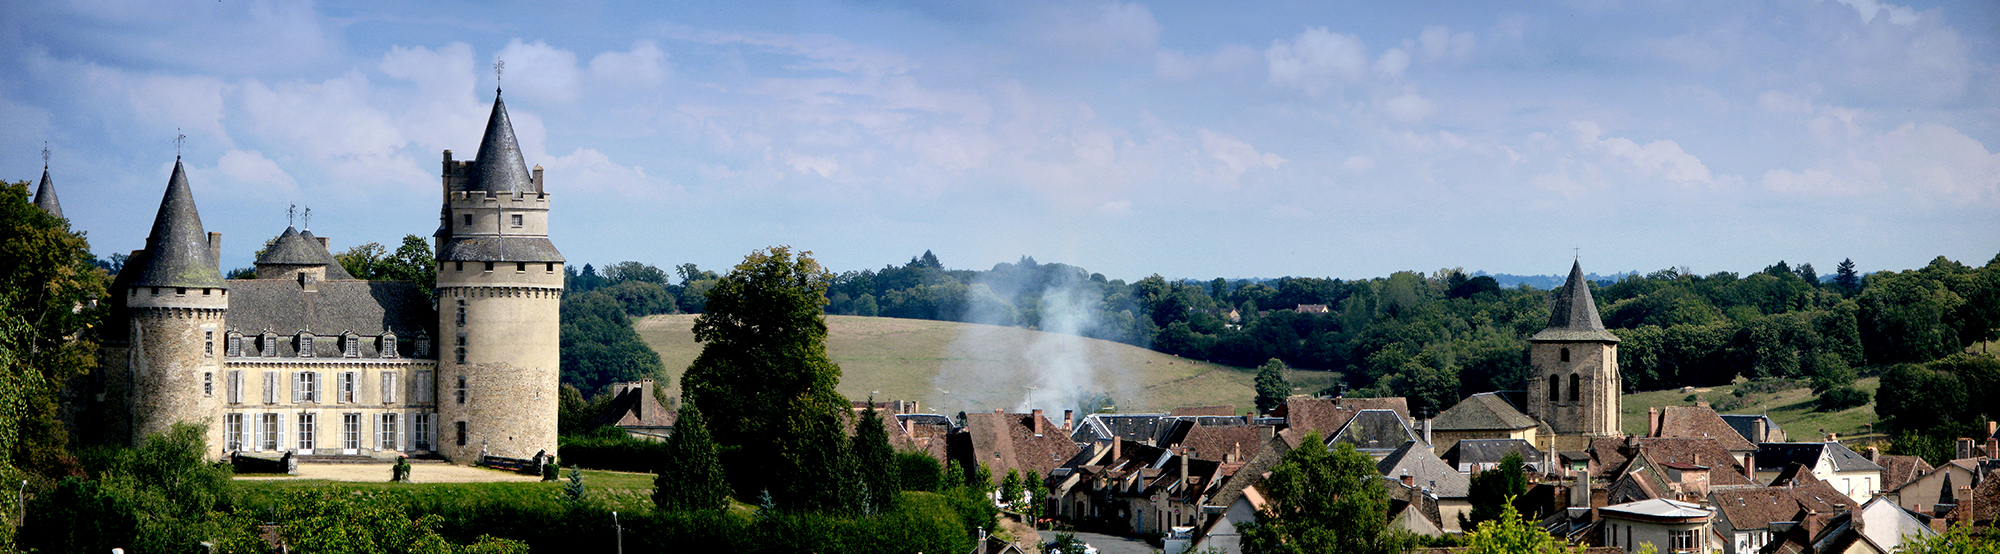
(1792, 409)
(960, 366)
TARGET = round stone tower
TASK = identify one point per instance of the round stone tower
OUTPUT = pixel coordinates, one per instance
(499, 290)
(177, 300)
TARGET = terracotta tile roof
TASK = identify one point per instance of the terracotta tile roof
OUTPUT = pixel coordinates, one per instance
(1328, 415)
(1724, 468)
(1008, 441)
(1699, 422)
(927, 433)
(1224, 410)
(1985, 502)
(1608, 457)
(1759, 507)
(1900, 470)
(1218, 443)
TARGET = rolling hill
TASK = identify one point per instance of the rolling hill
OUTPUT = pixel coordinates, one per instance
(961, 366)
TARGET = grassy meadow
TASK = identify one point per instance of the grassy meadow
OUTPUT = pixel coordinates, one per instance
(1792, 409)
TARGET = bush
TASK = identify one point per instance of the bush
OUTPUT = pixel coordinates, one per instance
(1841, 398)
(612, 450)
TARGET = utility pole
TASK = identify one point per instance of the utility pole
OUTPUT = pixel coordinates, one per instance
(620, 530)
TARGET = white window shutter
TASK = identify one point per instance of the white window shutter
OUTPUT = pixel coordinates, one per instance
(257, 434)
(403, 440)
(282, 445)
(298, 382)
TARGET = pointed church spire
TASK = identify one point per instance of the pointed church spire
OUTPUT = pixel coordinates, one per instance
(499, 167)
(45, 195)
(1573, 313)
(177, 251)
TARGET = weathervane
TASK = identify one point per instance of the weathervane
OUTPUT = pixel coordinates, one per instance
(179, 139)
(45, 155)
(1578, 252)
(290, 213)
(307, 216)
(499, 69)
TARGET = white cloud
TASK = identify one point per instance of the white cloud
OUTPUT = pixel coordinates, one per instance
(1779, 102)
(821, 51)
(1316, 61)
(539, 71)
(1663, 158)
(825, 166)
(1409, 108)
(253, 168)
(1172, 64)
(1439, 43)
(1236, 155)
(644, 64)
(1900, 15)
(1358, 163)
(1392, 63)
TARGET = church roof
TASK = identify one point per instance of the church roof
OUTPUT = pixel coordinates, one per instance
(1573, 313)
(499, 167)
(177, 251)
(45, 195)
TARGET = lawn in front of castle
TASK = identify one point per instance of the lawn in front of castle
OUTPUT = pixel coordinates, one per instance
(613, 490)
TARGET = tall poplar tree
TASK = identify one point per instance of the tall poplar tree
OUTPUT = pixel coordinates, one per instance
(690, 477)
(875, 461)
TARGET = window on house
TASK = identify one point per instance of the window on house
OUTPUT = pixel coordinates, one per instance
(270, 432)
(232, 432)
(517, 221)
(386, 345)
(461, 313)
(1575, 386)
(1555, 388)
(551, 267)
(520, 267)
(208, 344)
(1682, 541)
(385, 431)
(1565, 354)
(426, 386)
(306, 431)
(305, 345)
(345, 394)
(351, 347)
(458, 266)
(459, 354)
(208, 383)
(180, 291)
(461, 389)
(270, 345)
(270, 387)
(388, 387)
(461, 432)
(489, 266)
(305, 387)
(350, 431)
(234, 346)
(420, 432)
(423, 346)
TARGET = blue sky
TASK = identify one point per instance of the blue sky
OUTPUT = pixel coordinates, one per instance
(1193, 140)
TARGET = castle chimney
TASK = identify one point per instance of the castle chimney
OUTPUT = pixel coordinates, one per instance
(538, 178)
(1758, 432)
(645, 394)
(1652, 421)
(1036, 414)
(322, 241)
(215, 250)
(1069, 418)
(1964, 449)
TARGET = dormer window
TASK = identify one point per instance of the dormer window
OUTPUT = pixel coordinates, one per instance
(423, 346)
(305, 345)
(387, 345)
(350, 346)
(233, 345)
(270, 345)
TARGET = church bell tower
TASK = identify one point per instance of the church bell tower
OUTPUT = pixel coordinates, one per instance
(1576, 365)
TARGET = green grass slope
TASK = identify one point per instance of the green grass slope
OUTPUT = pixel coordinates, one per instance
(1792, 409)
(954, 367)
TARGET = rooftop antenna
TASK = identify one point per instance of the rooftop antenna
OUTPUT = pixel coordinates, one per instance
(179, 139)
(291, 214)
(499, 69)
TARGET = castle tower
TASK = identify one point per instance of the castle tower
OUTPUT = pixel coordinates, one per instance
(176, 299)
(45, 195)
(499, 285)
(1576, 365)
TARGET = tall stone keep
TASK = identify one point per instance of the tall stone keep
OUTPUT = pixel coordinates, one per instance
(176, 300)
(499, 285)
(1576, 364)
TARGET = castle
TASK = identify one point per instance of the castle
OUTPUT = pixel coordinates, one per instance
(304, 358)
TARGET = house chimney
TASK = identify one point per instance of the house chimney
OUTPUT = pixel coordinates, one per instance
(1964, 449)
(1993, 449)
(1427, 432)
(1874, 453)
(1758, 432)
(1117, 448)
(1409, 481)
(1750, 466)
(646, 393)
(1069, 418)
(322, 241)
(215, 252)
(1833, 437)
(1185, 462)
(1652, 421)
(904, 422)
(1036, 414)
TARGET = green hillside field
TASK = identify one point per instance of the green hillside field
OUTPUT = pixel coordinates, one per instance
(954, 367)
(1792, 409)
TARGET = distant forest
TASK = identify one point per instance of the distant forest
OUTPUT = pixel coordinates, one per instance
(1433, 338)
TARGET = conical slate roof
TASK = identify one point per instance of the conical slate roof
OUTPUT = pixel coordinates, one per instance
(499, 167)
(177, 251)
(1573, 313)
(290, 249)
(333, 268)
(45, 195)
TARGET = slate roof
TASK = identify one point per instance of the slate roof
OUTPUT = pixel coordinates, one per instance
(45, 195)
(365, 307)
(1774, 456)
(294, 247)
(1008, 441)
(1744, 425)
(178, 246)
(635, 407)
(1697, 422)
(1573, 313)
(499, 167)
(1133, 427)
(1491, 451)
(1429, 470)
(1374, 430)
(499, 249)
(1483, 411)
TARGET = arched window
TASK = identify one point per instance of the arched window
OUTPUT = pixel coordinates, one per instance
(1565, 354)
(1555, 388)
(1575, 385)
